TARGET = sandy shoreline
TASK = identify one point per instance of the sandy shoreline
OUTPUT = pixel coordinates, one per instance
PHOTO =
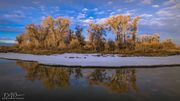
(95, 60)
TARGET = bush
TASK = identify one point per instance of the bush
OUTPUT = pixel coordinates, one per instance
(146, 46)
(167, 44)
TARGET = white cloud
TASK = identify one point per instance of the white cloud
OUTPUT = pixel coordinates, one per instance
(100, 12)
(110, 2)
(170, 16)
(155, 6)
(35, 2)
(91, 17)
(15, 14)
(118, 10)
(146, 15)
(109, 10)
(100, 20)
(87, 21)
(95, 9)
(146, 1)
(84, 10)
(165, 13)
(56, 8)
(130, 12)
(112, 13)
(169, 2)
(24, 7)
(84, 21)
(172, 11)
(42, 8)
(81, 16)
(151, 22)
(8, 41)
(166, 21)
(128, 1)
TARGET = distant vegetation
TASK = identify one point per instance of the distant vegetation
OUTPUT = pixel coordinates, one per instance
(55, 36)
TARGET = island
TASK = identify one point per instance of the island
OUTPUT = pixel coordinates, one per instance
(54, 42)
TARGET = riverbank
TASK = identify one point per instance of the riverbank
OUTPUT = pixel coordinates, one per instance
(123, 52)
(94, 60)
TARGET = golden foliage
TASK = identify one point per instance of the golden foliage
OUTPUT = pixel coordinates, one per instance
(56, 35)
(74, 44)
(96, 36)
(167, 43)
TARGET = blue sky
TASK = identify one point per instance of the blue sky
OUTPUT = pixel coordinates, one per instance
(157, 16)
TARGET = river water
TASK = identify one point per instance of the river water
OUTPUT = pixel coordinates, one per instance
(30, 81)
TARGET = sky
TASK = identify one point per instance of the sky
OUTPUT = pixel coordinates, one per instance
(157, 16)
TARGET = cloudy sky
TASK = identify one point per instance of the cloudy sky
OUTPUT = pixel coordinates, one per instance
(157, 16)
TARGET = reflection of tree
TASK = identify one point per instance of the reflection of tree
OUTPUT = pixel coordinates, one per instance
(121, 80)
(51, 77)
(78, 73)
(117, 80)
(99, 75)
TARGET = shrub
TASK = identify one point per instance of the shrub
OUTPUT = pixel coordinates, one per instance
(167, 43)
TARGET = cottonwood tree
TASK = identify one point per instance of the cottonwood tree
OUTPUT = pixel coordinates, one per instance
(168, 43)
(134, 27)
(118, 24)
(61, 32)
(37, 33)
(58, 31)
(19, 39)
(56, 34)
(79, 36)
(96, 36)
(123, 25)
(49, 23)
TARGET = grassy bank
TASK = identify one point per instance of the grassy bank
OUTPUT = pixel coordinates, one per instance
(122, 52)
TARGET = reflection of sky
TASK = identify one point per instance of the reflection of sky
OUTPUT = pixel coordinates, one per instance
(14, 78)
(157, 15)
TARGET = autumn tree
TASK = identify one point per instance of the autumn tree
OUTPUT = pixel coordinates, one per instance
(79, 36)
(55, 34)
(49, 23)
(74, 44)
(37, 33)
(71, 35)
(19, 39)
(133, 27)
(61, 32)
(50, 33)
(123, 25)
(96, 36)
(58, 35)
(118, 24)
(168, 43)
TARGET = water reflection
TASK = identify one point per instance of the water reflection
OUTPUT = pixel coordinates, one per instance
(116, 80)
(119, 80)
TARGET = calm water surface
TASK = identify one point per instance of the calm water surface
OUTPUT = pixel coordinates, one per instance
(57, 83)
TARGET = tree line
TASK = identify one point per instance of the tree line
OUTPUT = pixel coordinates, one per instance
(56, 34)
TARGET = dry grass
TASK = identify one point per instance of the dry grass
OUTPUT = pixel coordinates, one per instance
(123, 52)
